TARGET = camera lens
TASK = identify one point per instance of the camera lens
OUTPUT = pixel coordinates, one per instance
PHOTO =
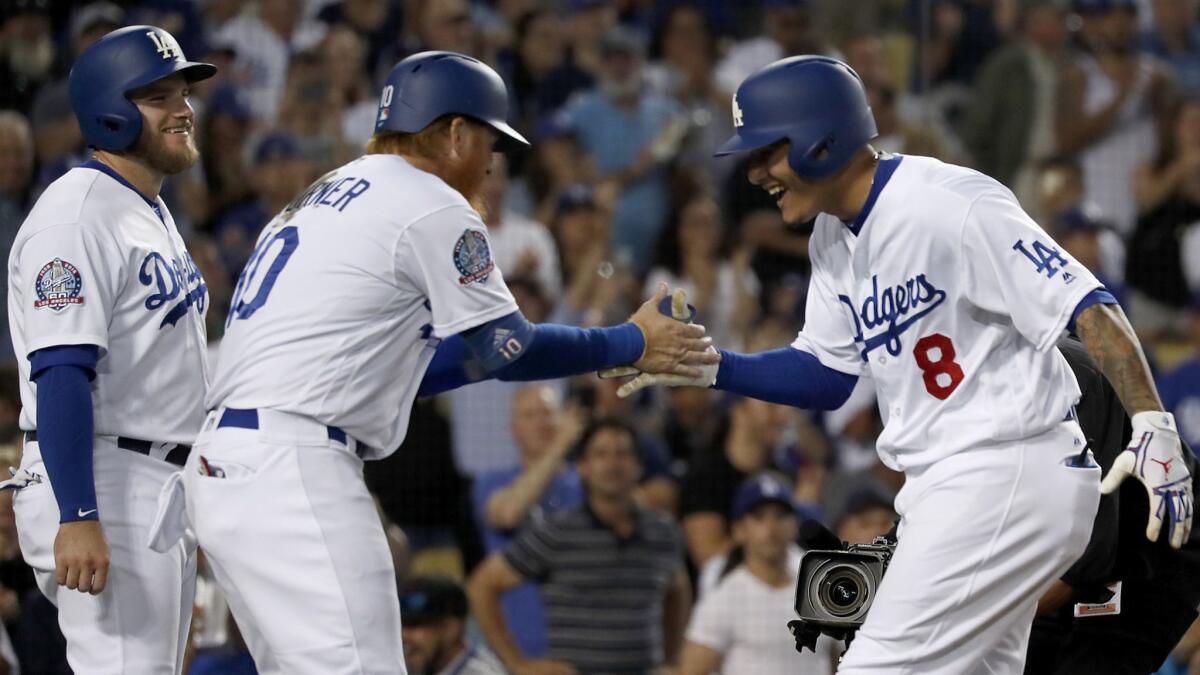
(843, 591)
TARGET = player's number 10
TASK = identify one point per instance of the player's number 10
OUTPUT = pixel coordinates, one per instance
(933, 370)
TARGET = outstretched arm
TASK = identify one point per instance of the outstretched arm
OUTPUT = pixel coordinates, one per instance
(511, 348)
(1155, 455)
(1108, 337)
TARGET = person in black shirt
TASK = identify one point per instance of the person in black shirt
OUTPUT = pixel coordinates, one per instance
(1160, 586)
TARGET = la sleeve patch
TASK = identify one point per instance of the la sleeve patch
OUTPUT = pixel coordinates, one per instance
(58, 286)
(472, 257)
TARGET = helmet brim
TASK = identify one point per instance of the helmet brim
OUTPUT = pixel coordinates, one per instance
(192, 71)
(742, 142)
(510, 139)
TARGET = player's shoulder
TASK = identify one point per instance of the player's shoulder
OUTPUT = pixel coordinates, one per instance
(421, 192)
(950, 185)
(69, 200)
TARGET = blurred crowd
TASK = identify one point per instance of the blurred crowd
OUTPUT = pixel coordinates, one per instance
(1088, 110)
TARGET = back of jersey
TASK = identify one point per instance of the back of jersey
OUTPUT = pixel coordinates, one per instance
(339, 309)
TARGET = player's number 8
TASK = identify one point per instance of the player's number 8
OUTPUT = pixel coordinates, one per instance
(944, 365)
(239, 308)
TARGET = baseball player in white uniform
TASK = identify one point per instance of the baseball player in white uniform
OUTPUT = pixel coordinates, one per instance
(374, 285)
(107, 312)
(932, 280)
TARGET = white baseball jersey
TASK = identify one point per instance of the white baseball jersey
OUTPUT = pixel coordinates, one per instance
(951, 298)
(340, 308)
(95, 263)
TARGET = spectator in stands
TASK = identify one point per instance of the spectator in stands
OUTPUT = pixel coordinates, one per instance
(868, 514)
(227, 124)
(692, 256)
(1168, 191)
(962, 35)
(1113, 107)
(95, 20)
(482, 413)
(657, 488)
(736, 626)
(279, 173)
(313, 111)
(1174, 37)
(611, 573)
(593, 281)
(1010, 117)
(588, 21)
(1180, 386)
(16, 176)
(854, 428)
(265, 40)
(542, 483)
(345, 59)
(521, 247)
(895, 134)
(691, 423)
(375, 21)
(786, 30)
(542, 75)
(557, 163)
(755, 430)
(26, 52)
(1081, 233)
(631, 134)
(1059, 186)
(434, 611)
(686, 52)
(443, 25)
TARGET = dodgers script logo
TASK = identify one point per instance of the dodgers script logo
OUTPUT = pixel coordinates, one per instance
(898, 307)
(472, 257)
(170, 280)
(58, 285)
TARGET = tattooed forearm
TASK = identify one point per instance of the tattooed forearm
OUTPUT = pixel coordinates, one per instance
(1110, 340)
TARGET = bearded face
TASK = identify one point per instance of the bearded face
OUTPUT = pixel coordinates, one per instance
(167, 142)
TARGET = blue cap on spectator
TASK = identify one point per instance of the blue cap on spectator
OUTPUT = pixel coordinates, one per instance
(1097, 6)
(578, 196)
(228, 101)
(1078, 220)
(580, 5)
(552, 126)
(429, 598)
(276, 145)
(765, 488)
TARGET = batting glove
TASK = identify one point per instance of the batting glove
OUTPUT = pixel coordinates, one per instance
(1155, 457)
(707, 378)
(675, 306)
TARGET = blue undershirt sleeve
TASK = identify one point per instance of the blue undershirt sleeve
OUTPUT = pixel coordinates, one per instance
(512, 349)
(788, 376)
(1099, 296)
(65, 428)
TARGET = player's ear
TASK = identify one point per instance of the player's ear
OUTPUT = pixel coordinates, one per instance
(459, 133)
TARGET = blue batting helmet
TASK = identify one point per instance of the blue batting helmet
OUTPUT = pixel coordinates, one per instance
(428, 85)
(815, 102)
(112, 67)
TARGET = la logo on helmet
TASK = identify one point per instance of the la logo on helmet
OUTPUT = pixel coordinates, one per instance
(166, 45)
(737, 113)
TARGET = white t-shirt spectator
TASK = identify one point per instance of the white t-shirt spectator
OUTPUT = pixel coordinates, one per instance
(517, 236)
(746, 620)
(263, 55)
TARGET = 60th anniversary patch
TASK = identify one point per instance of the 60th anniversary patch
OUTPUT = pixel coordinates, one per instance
(58, 286)
(472, 257)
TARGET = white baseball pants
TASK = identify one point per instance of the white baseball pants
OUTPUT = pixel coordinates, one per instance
(138, 624)
(983, 534)
(297, 546)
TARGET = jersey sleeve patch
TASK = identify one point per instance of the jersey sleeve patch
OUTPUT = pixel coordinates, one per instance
(58, 285)
(472, 258)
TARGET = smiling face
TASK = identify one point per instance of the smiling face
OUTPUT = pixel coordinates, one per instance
(798, 200)
(167, 142)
